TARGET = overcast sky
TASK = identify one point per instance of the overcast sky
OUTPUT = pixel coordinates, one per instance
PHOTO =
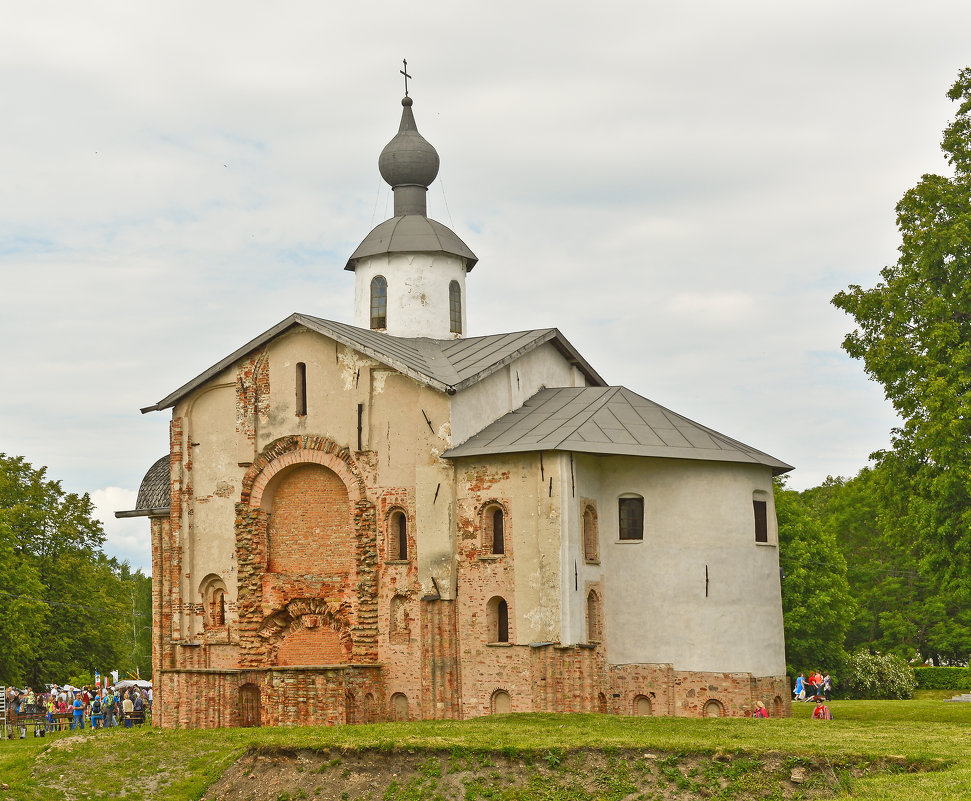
(680, 188)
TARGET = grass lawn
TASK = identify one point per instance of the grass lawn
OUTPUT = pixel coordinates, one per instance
(177, 765)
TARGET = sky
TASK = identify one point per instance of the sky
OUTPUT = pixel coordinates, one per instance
(680, 188)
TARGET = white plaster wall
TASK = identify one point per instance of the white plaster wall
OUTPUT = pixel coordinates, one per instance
(655, 607)
(417, 293)
(508, 388)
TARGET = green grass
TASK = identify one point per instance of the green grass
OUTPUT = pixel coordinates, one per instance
(177, 765)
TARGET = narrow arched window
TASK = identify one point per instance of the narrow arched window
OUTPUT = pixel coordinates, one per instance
(397, 536)
(593, 618)
(301, 389)
(502, 622)
(498, 537)
(497, 620)
(218, 608)
(402, 533)
(454, 308)
(591, 537)
(379, 302)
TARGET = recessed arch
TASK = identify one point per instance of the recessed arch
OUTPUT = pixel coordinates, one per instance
(591, 534)
(396, 534)
(399, 707)
(494, 527)
(500, 703)
(212, 589)
(594, 617)
(643, 708)
(714, 709)
(497, 620)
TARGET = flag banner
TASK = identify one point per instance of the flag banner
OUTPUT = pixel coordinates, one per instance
(97, 679)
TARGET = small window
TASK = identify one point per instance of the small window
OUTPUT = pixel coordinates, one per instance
(493, 524)
(591, 535)
(397, 536)
(379, 302)
(761, 521)
(301, 389)
(454, 308)
(631, 511)
(594, 632)
(498, 620)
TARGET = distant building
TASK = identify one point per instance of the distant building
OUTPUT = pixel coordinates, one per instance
(392, 520)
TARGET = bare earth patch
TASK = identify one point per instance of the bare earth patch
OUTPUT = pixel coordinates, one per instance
(275, 774)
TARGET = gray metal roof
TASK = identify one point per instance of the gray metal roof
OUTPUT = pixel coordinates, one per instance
(412, 233)
(606, 420)
(449, 365)
(154, 492)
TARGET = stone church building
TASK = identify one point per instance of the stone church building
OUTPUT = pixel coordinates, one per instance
(392, 520)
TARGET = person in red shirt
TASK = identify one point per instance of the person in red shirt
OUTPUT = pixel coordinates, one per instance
(821, 712)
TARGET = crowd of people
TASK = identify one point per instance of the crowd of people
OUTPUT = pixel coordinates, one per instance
(818, 685)
(61, 708)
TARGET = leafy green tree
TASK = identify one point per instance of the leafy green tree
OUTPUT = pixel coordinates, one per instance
(914, 337)
(65, 608)
(816, 601)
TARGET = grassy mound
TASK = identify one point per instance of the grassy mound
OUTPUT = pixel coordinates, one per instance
(893, 750)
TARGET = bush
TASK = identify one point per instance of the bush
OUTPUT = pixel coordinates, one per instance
(878, 676)
(943, 678)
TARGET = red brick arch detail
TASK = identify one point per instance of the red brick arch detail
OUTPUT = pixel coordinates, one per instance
(293, 450)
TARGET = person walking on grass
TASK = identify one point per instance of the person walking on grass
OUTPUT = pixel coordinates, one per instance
(800, 691)
(827, 686)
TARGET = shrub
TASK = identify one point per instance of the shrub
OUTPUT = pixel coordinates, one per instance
(943, 678)
(878, 676)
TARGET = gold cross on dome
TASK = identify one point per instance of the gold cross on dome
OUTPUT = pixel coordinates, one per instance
(405, 73)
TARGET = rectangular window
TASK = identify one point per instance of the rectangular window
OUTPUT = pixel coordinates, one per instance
(631, 518)
(761, 522)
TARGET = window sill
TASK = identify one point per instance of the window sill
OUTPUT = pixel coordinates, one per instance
(498, 644)
(594, 561)
(629, 542)
(766, 544)
(397, 562)
(490, 557)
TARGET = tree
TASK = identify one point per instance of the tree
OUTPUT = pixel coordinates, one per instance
(914, 337)
(65, 607)
(816, 601)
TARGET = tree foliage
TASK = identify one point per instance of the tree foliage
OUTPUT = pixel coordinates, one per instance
(816, 600)
(909, 519)
(65, 607)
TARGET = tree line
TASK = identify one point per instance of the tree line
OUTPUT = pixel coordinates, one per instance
(882, 561)
(66, 609)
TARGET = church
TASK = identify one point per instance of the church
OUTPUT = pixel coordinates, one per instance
(393, 520)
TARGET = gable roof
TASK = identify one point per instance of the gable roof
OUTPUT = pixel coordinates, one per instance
(606, 420)
(449, 365)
